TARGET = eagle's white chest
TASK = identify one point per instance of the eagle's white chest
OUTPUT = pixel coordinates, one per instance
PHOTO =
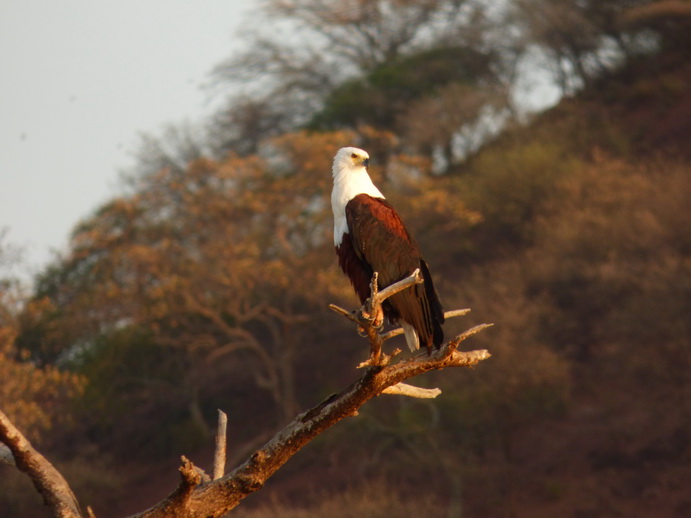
(348, 183)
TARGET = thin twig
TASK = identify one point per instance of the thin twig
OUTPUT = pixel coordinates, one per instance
(456, 313)
(403, 389)
(391, 290)
(220, 454)
(344, 312)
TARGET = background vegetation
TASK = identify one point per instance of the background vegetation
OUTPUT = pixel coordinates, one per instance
(204, 283)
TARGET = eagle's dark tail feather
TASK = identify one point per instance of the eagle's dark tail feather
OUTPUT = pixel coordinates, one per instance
(437, 312)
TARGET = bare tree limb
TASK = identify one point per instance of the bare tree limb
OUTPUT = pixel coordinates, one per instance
(49, 482)
(380, 296)
(215, 498)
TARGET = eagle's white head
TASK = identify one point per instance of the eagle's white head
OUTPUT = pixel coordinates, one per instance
(348, 159)
(350, 179)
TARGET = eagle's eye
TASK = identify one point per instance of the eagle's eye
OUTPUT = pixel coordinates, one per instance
(353, 155)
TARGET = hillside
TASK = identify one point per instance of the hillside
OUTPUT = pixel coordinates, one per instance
(582, 260)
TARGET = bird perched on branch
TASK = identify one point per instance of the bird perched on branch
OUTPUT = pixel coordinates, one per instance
(370, 236)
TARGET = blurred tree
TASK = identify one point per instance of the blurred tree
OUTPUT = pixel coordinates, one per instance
(34, 398)
(209, 264)
(434, 100)
(615, 261)
(508, 187)
(668, 18)
(453, 124)
(381, 95)
(359, 35)
(307, 70)
(245, 123)
(177, 146)
(583, 39)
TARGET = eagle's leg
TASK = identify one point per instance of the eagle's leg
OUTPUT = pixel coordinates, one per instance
(373, 316)
(378, 318)
(376, 312)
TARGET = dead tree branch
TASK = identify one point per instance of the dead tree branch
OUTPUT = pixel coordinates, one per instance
(49, 482)
(217, 497)
(198, 495)
(220, 496)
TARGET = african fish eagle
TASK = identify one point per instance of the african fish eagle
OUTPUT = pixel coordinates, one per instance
(370, 236)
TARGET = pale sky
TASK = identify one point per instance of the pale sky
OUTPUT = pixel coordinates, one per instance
(79, 81)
